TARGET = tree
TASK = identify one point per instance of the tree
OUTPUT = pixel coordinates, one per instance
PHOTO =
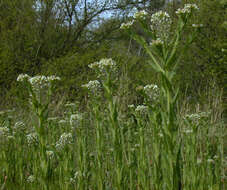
(34, 32)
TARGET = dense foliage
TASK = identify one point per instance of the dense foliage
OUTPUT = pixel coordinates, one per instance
(56, 37)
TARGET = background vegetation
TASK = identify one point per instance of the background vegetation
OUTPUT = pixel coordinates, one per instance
(63, 37)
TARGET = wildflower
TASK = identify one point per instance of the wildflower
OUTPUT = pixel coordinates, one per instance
(31, 179)
(72, 180)
(197, 25)
(38, 82)
(93, 86)
(76, 175)
(53, 78)
(19, 126)
(23, 77)
(141, 109)
(140, 15)
(195, 117)
(152, 91)
(160, 23)
(75, 119)
(198, 117)
(4, 131)
(65, 139)
(188, 8)
(159, 17)
(157, 42)
(104, 66)
(127, 25)
(132, 106)
(32, 139)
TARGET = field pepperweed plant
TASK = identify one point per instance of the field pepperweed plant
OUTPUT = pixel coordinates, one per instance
(151, 146)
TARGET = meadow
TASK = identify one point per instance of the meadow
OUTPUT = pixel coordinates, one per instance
(159, 142)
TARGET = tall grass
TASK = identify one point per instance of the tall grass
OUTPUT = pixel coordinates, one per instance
(153, 146)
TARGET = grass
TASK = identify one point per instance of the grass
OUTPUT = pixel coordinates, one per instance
(109, 150)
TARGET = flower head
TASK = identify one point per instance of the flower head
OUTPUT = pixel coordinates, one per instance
(188, 8)
(104, 67)
(93, 86)
(31, 179)
(197, 25)
(140, 15)
(19, 126)
(160, 23)
(4, 132)
(141, 109)
(75, 119)
(152, 91)
(39, 82)
(32, 139)
(65, 139)
(157, 42)
(23, 77)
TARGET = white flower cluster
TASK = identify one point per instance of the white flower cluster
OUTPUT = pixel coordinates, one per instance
(194, 116)
(38, 82)
(140, 15)
(75, 119)
(76, 175)
(188, 8)
(197, 25)
(158, 42)
(23, 77)
(152, 91)
(127, 25)
(141, 109)
(65, 139)
(131, 106)
(19, 126)
(32, 139)
(93, 86)
(105, 65)
(161, 23)
(4, 132)
(31, 179)
(197, 117)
